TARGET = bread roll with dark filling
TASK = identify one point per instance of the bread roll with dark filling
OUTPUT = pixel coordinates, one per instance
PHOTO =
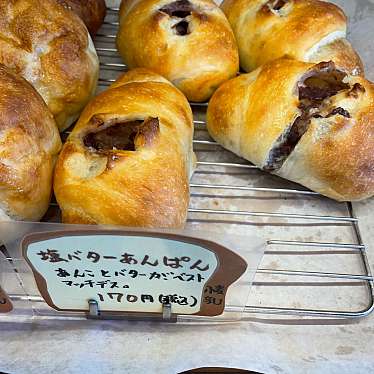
(51, 48)
(311, 124)
(306, 30)
(189, 42)
(29, 143)
(91, 12)
(129, 158)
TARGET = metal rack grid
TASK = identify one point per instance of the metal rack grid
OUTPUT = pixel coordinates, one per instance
(222, 188)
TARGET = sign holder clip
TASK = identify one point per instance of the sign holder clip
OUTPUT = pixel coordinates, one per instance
(95, 313)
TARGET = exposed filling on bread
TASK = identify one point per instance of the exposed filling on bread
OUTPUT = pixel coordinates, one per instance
(125, 136)
(279, 4)
(356, 90)
(274, 6)
(179, 9)
(314, 90)
(181, 28)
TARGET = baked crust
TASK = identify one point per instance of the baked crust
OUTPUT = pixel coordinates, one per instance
(252, 115)
(29, 143)
(342, 53)
(305, 30)
(92, 12)
(196, 62)
(147, 186)
(50, 47)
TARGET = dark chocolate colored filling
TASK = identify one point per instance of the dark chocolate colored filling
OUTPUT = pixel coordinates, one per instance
(340, 111)
(321, 86)
(279, 4)
(121, 135)
(286, 144)
(356, 90)
(274, 6)
(181, 28)
(179, 9)
(317, 86)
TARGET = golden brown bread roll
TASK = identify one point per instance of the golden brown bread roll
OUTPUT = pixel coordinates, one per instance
(129, 157)
(51, 48)
(311, 124)
(306, 30)
(29, 143)
(92, 12)
(189, 42)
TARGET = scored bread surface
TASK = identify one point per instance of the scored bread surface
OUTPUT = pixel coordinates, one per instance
(190, 42)
(253, 114)
(305, 30)
(147, 186)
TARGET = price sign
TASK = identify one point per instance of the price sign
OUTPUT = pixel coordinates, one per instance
(131, 272)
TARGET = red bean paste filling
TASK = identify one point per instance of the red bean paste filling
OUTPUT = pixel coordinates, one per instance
(279, 4)
(314, 90)
(274, 5)
(121, 135)
(179, 9)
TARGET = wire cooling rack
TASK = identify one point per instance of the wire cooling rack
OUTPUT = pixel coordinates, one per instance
(315, 264)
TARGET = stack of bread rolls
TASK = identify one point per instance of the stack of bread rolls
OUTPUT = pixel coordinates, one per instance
(303, 111)
(48, 72)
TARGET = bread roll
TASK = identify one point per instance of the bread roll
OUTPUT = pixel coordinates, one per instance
(92, 12)
(29, 143)
(311, 124)
(129, 158)
(305, 30)
(51, 48)
(189, 42)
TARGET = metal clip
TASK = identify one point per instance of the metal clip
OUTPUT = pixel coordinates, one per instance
(166, 310)
(93, 309)
(94, 313)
